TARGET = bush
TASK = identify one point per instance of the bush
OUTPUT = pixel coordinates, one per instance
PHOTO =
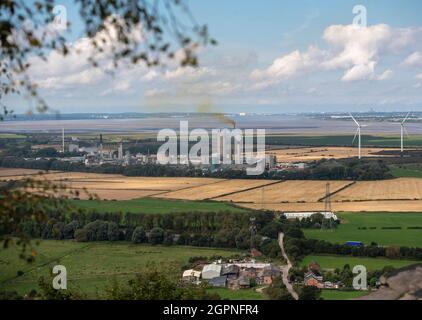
(113, 233)
(98, 230)
(82, 235)
(156, 236)
(69, 230)
(139, 235)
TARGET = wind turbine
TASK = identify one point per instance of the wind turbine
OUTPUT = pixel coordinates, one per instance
(357, 134)
(403, 131)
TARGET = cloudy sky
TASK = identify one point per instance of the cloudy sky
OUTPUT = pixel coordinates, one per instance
(273, 56)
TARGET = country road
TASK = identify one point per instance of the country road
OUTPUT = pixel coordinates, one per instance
(285, 269)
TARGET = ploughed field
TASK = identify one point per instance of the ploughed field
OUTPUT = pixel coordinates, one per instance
(395, 195)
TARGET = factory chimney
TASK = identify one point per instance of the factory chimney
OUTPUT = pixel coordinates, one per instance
(63, 140)
(120, 152)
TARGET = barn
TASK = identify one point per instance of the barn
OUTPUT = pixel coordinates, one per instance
(211, 271)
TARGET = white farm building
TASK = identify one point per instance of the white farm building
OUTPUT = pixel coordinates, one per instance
(302, 215)
(211, 271)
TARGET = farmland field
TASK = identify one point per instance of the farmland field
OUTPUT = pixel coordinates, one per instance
(341, 295)
(395, 189)
(371, 264)
(357, 206)
(112, 186)
(91, 267)
(374, 232)
(406, 171)
(342, 140)
(214, 190)
(288, 191)
(151, 205)
(395, 195)
(243, 294)
(317, 153)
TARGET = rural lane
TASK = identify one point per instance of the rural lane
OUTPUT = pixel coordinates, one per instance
(285, 269)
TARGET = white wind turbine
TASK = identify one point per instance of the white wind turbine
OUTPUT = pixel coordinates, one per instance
(357, 134)
(402, 132)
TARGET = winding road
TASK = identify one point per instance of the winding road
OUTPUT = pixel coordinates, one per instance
(285, 269)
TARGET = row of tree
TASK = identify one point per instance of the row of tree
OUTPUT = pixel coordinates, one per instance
(320, 170)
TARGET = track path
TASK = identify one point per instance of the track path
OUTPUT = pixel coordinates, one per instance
(286, 268)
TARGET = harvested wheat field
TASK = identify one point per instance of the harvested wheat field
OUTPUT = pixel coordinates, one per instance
(360, 206)
(139, 183)
(111, 194)
(395, 189)
(112, 186)
(288, 191)
(15, 174)
(216, 189)
(317, 153)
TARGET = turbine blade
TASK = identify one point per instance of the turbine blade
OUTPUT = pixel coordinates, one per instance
(357, 123)
(405, 119)
(405, 131)
(356, 134)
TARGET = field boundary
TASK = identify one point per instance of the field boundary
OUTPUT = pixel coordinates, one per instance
(244, 190)
(337, 191)
(45, 264)
(190, 187)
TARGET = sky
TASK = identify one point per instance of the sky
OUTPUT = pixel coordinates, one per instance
(272, 57)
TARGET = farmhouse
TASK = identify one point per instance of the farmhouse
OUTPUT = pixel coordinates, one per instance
(312, 280)
(267, 275)
(243, 282)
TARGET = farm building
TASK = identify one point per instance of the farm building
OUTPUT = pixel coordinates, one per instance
(311, 279)
(302, 215)
(211, 271)
(267, 275)
(218, 282)
(231, 271)
(191, 275)
(242, 282)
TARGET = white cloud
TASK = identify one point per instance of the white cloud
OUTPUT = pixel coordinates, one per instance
(387, 74)
(415, 59)
(286, 67)
(354, 49)
(360, 72)
(419, 76)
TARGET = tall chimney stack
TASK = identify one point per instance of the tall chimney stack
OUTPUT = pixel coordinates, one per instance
(63, 139)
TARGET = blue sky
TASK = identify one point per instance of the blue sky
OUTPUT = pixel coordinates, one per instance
(273, 56)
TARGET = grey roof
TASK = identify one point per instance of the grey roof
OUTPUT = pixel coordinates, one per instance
(244, 281)
(212, 267)
(230, 269)
(218, 282)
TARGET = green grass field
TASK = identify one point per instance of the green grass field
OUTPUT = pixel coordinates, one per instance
(406, 170)
(350, 222)
(341, 295)
(244, 294)
(371, 264)
(91, 267)
(11, 136)
(343, 140)
(158, 206)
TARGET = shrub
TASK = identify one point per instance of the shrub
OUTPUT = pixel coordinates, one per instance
(113, 233)
(82, 235)
(138, 235)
